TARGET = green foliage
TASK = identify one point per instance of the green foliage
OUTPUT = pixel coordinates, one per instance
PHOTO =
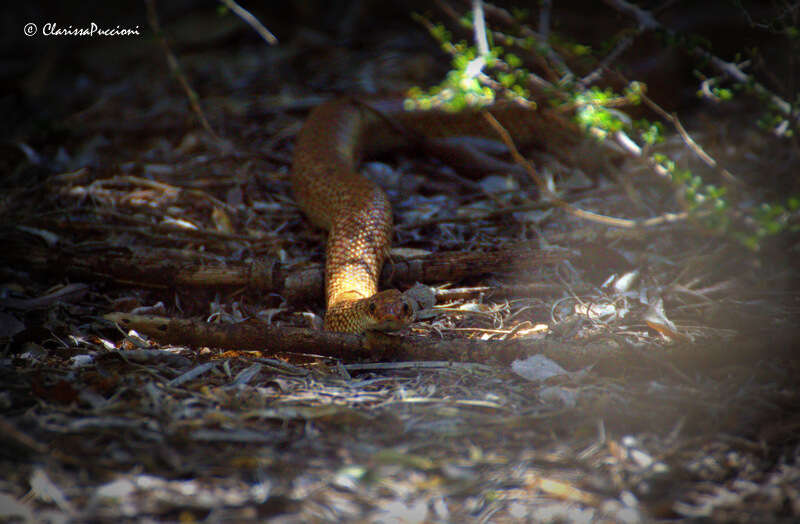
(770, 220)
(773, 120)
(779, 116)
(459, 90)
(634, 91)
(463, 85)
(581, 50)
(704, 200)
(721, 94)
(592, 111)
(651, 133)
(513, 60)
(478, 81)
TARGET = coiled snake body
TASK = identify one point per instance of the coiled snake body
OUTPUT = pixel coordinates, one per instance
(354, 210)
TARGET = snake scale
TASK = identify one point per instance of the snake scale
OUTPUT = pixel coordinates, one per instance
(355, 211)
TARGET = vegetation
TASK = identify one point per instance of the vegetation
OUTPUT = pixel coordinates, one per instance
(478, 79)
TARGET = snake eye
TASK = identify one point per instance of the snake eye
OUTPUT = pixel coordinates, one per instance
(406, 309)
(372, 308)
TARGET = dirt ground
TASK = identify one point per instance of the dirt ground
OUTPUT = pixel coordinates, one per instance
(572, 370)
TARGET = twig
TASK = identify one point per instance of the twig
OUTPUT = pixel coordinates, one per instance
(499, 291)
(701, 153)
(566, 206)
(175, 67)
(545, 6)
(479, 25)
(621, 46)
(245, 15)
(526, 32)
(432, 364)
(543, 39)
(673, 119)
(136, 181)
(648, 22)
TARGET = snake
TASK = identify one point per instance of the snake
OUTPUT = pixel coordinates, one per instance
(355, 211)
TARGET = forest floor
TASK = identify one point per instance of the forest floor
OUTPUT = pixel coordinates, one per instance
(652, 375)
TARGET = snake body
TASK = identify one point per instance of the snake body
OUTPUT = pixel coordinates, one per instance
(354, 210)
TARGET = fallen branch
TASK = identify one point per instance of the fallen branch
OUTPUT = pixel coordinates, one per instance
(609, 357)
(255, 335)
(155, 269)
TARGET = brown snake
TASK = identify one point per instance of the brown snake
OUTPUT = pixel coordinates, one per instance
(355, 211)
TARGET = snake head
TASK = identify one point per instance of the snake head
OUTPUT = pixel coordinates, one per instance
(388, 310)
